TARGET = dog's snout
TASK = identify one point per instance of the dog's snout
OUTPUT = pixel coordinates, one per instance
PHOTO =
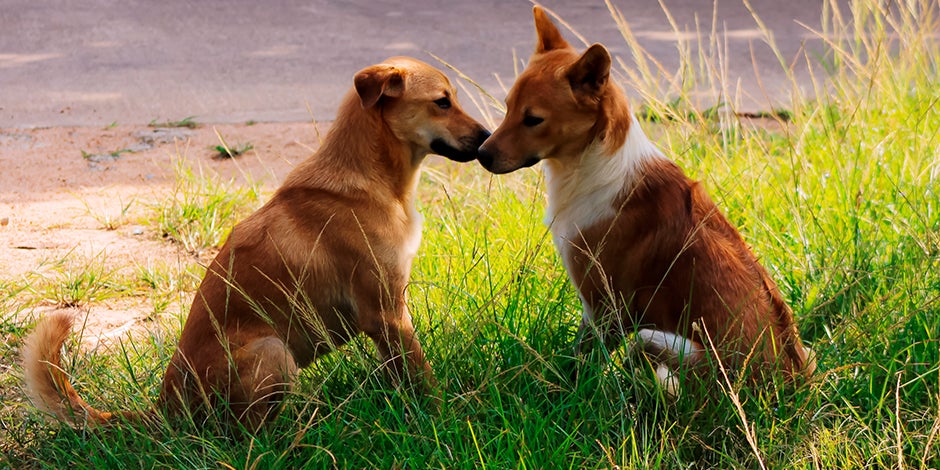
(466, 148)
(485, 157)
(482, 135)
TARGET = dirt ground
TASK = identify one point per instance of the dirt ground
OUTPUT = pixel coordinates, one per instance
(85, 192)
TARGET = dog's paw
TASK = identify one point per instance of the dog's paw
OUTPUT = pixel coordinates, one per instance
(668, 381)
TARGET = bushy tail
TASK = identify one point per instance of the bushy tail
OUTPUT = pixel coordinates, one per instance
(47, 384)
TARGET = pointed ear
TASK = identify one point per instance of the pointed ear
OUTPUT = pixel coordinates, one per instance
(376, 81)
(591, 71)
(548, 36)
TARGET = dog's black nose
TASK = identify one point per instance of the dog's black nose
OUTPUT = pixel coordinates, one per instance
(482, 136)
(484, 157)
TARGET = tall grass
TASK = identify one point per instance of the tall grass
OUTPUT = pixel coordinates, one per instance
(839, 202)
(203, 209)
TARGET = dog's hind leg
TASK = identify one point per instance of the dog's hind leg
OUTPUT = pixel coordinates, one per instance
(266, 369)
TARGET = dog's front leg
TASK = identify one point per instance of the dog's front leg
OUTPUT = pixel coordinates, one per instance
(394, 336)
(587, 335)
(597, 326)
(593, 332)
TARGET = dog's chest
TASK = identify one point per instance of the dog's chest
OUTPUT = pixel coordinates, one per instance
(587, 192)
(412, 238)
(582, 189)
(582, 196)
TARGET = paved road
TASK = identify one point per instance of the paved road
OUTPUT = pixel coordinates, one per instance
(93, 62)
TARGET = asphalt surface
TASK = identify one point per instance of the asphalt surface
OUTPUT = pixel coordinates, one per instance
(95, 62)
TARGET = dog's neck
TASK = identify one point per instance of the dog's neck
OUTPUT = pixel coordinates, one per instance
(582, 189)
(360, 155)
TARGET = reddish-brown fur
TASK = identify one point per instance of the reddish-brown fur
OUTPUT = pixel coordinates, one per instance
(327, 257)
(670, 258)
(645, 245)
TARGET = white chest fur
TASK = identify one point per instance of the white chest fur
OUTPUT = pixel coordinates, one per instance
(415, 224)
(413, 239)
(582, 189)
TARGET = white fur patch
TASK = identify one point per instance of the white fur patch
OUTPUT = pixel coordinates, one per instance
(412, 241)
(668, 351)
(582, 191)
(411, 244)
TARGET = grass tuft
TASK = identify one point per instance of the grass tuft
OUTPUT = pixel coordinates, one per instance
(74, 281)
(203, 209)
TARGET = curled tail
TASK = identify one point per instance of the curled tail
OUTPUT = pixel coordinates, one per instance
(47, 384)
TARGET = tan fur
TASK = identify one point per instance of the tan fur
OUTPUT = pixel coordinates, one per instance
(327, 257)
(645, 245)
(47, 385)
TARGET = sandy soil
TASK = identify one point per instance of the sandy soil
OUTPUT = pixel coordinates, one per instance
(60, 189)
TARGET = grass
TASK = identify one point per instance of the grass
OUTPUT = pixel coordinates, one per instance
(106, 217)
(96, 157)
(224, 150)
(839, 202)
(202, 209)
(76, 281)
(164, 283)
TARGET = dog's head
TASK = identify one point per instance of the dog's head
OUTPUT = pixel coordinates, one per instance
(559, 105)
(420, 107)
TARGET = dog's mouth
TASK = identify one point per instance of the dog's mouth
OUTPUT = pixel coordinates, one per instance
(530, 161)
(490, 163)
(467, 150)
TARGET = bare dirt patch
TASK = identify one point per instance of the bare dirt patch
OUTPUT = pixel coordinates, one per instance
(86, 195)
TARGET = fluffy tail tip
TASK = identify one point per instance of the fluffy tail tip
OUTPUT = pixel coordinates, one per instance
(42, 354)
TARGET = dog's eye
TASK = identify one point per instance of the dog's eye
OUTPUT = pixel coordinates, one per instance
(532, 121)
(443, 103)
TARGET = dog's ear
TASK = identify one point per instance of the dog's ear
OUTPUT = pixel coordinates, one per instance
(549, 38)
(590, 73)
(376, 81)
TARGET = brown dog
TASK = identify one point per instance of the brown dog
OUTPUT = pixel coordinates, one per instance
(644, 244)
(327, 257)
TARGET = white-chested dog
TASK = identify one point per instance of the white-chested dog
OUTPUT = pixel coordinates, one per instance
(645, 245)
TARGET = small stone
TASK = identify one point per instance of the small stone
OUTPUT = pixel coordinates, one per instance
(162, 135)
(139, 147)
(102, 157)
(4, 221)
(138, 231)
